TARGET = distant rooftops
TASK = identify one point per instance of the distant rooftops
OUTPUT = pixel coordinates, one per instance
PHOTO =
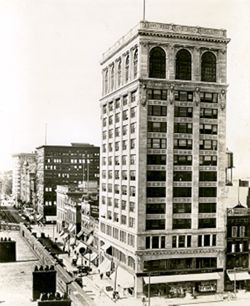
(73, 144)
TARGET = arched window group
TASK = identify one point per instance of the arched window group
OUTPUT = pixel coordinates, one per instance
(121, 71)
(183, 65)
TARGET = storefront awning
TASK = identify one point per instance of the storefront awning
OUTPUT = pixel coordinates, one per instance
(65, 235)
(72, 241)
(105, 246)
(72, 228)
(91, 256)
(80, 233)
(61, 233)
(238, 275)
(105, 266)
(181, 278)
(123, 278)
(90, 240)
(39, 218)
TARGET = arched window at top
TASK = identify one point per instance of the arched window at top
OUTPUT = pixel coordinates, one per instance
(105, 81)
(127, 68)
(135, 63)
(183, 65)
(208, 67)
(157, 63)
(119, 73)
(112, 77)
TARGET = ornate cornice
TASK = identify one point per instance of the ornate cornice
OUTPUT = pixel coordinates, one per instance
(184, 36)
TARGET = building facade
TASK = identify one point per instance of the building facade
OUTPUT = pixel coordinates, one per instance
(63, 165)
(237, 251)
(163, 157)
(19, 162)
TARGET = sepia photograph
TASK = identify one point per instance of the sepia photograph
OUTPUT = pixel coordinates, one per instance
(125, 155)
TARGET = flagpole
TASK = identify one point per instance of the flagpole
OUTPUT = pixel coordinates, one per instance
(144, 11)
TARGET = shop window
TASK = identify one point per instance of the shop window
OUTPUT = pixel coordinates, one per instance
(208, 67)
(157, 63)
(183, 65)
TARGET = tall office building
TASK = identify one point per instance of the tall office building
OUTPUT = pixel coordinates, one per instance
(163, 157)
(63, 165)
(19, 161)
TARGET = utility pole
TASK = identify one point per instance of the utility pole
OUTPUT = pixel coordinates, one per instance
(149, 289)
(144, 11)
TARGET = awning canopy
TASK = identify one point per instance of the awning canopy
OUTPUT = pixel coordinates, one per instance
(80, 233)
(123, 278)
(65, 235)
(105, 246)
(238, 275)
(72, 228)
(105, 266)
(39, 217)
(90, 240)
(91, 256)
(61, 233)
(181, 278)
(72, 241)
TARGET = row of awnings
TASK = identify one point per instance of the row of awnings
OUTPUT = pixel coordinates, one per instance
(181, 278)
(238, 275)
(84, 231)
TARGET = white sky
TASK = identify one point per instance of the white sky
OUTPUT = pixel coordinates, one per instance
(49, 66)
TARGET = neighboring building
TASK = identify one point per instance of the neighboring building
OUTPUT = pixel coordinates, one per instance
(28, 182)
(63, 165)
(18, 162)
(237, 192)
(237, 251)
(163, 157)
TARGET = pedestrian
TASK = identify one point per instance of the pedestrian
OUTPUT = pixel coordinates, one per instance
(101, 275)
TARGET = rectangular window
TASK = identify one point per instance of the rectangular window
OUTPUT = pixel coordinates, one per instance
(125, 115)
(180, 160)
(207, 192)
(183, 144)
(117, 103)
(182, 176)
(186, 128)
(154, 192)
(147, 242)
(183, 95)
(124, 144)
(157, 143)
(117, 132)
(208, 144)
(207, 223)
(110, 106)
(124, 189)
(124, 130)
(208, 176)
(157, 110)
(133, 96)
(125, 100)
(210, 129)
(133, 112)
(132, 143)
(104, 109)
(242, 231)
(155, 224)
(132, 128)
(155, 208)
(124, 205)
(124, 175)
(162, 242)
(131, 222)
(156, 159)
(155, 242)
(124, 160)
(156, 176)
(234, 231)
(207, 208)
(131, 206)
(132, 175)
(117, 146)
(123, 219)
(132, 191)
(183, 111)
(117, 160)
(208, 160)
(132, 159)
(181, 223)
(157, 94)
(208, 97)
(117, 118)
(210, 113)
(110, 120)
(157, 127)
(182, 192)
(181, 208)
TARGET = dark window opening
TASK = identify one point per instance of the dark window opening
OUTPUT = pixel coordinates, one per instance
(157, 63)
(181, 223)
(183, 65)
(155, 208)
(208, 67)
